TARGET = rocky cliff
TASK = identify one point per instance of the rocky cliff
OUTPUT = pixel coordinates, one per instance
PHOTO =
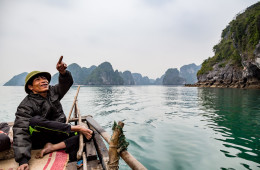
(140, 80)
(189, 73)
(236, 62)
(172, 77)
(104, 74)
(127, 77)
(17, 80)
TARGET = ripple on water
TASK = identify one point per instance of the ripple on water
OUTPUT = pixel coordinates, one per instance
(106, 113)
(171, 127)
(135, 144)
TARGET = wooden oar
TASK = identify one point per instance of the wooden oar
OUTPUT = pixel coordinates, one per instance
(127, 157)
(75, 99)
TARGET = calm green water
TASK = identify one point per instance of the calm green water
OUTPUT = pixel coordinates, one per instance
(171, 128)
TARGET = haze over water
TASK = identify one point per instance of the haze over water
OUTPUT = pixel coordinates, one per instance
(171, 127)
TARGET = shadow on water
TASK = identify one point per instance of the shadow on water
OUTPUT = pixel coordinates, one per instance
(236, 117)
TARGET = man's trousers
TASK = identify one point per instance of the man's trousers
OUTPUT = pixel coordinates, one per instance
(44, 131)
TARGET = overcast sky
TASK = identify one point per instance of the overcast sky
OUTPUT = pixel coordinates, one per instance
(143, 36)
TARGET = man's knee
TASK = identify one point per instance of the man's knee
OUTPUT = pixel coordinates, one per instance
(5, 142)
(36, 120)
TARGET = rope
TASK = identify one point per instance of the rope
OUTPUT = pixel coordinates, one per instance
(122, 143)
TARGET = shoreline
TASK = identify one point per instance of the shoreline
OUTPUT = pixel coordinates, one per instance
(221, 85)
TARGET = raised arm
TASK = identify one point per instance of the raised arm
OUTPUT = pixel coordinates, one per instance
(65, 79)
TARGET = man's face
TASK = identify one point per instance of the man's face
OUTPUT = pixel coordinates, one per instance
(39, 85)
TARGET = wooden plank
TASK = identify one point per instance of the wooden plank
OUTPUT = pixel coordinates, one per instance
(83, 118)
(101, 149)
(90, 147)
(71, 166)
(98, 128)
(91, 150)
(94, 165)
(91, 165)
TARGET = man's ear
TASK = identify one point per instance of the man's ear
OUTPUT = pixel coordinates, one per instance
(30, 87)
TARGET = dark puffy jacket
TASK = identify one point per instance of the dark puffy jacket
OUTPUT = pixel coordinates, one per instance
(32, 105)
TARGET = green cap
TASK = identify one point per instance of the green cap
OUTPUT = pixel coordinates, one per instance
(32, 75)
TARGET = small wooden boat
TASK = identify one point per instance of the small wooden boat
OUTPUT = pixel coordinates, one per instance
(96, 155)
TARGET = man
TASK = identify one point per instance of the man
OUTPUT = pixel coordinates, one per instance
(40, 121)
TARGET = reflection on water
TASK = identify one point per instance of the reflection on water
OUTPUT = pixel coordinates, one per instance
(171, 127)
(236, 117)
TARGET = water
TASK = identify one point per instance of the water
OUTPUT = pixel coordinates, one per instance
(171, 127)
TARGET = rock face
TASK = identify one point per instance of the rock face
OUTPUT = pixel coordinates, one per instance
(172, 77)
(227, 76)
(159, 81)
(128, 78)
(104, 74)
(233, 76)
(236, 63)
(189, 73)
(140, 80)
(18, 80)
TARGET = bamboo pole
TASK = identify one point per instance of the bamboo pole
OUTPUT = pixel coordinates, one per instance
(126, 156)
(113, 154)
(84, 161)
(75, 99)
(76, 112)
(81, 143)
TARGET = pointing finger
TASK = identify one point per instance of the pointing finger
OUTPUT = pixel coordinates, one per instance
(60, 60)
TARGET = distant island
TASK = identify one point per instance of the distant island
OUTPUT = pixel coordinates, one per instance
(104, 74)
(236, 62)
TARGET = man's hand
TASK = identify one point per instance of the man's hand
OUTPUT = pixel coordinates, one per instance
(85, 131)
(61, 66)
(23, 167)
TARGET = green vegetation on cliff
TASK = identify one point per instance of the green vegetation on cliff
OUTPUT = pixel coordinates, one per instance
(104, 74)
(238, 39)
